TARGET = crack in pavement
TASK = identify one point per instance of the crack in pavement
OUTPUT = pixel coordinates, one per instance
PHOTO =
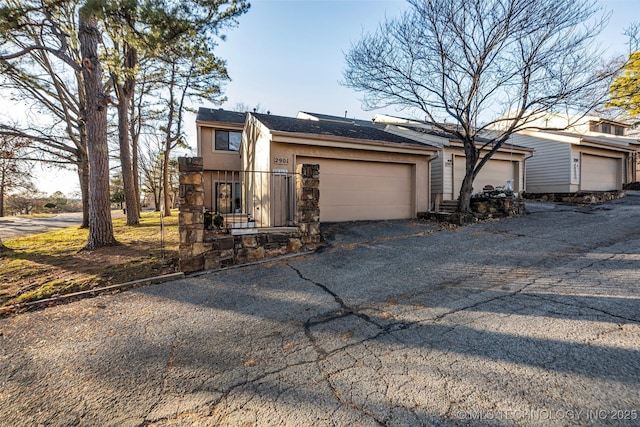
(577, 305)
(344, 310)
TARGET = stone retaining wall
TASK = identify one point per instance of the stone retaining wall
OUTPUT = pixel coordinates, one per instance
(202, 249)
(577, 198)
(481, 208)
(497, 207)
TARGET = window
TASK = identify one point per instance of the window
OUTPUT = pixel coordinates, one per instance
(619, 130)
(606, 128)
(228, 140)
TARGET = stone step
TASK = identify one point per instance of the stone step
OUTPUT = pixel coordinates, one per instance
(449, 206)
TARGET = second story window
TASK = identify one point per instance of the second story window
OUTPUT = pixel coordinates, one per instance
(228, 140)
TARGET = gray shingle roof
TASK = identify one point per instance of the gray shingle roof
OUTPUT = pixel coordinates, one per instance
(328, 117)
(345, 130)
(443, 134)
(220, 115)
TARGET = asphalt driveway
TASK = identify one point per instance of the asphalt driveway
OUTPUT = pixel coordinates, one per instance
(524, 321)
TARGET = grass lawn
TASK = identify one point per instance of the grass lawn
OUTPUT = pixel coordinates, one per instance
(48, 264)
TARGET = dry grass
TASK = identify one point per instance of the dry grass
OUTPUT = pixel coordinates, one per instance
(48, 264)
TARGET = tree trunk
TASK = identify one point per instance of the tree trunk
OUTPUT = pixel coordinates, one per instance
(83, 157)
(464, 200)
(136, 172)
(125, 160)
(83, 177)
(124, 92)
(1, 194)
(166, 183)
(95, 117)
(466, 190)
(134, 134)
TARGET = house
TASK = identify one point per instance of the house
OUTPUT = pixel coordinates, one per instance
(365, 173)
(589, 155)
(219, 135)
(448, 170)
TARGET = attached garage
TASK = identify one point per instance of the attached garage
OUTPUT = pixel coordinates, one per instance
(495, 172)
(364, 190)
(599, 173)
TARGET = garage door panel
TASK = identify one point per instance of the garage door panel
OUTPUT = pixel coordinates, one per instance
(363, 190)
(599, 173)
(494, 173)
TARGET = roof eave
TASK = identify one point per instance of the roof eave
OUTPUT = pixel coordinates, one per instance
(357, 143)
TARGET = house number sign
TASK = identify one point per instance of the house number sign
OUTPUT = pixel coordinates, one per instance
(280, 161)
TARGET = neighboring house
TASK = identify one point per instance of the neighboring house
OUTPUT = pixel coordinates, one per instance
(365, 172)
(448, 170)
(589, 156)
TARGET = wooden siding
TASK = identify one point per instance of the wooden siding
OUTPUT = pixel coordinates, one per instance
(549, 170)
(436, 175)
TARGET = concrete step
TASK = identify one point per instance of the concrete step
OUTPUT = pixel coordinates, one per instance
(238, 220)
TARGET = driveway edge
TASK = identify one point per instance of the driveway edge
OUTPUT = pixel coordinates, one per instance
(66, 298)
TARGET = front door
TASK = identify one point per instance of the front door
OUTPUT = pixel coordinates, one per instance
(224, 202)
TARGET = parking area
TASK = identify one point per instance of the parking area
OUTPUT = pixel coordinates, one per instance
(524, 321)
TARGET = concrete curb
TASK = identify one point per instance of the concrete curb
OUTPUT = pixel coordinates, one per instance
(66, 298)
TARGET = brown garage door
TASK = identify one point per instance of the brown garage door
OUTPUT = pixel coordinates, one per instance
(494, 172)
(360, 190)
(599, 173)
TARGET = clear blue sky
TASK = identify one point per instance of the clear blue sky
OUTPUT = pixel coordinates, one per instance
(288, 55)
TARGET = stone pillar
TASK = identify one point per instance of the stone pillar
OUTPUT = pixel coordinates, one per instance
(308, 205)
(191, 216)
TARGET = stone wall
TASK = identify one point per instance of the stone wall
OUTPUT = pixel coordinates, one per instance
(202, 249)
(580, 198)
(481, 208)
(497, 207)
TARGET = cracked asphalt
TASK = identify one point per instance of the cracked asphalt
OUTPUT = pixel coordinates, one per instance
(524, 321)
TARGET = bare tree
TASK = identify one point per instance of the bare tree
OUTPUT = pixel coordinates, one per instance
(27, 16)
(52, 89)
(491, 66)
(14, 170)
(241, 107)
(633, 34)
(194, 73)
(124, 82)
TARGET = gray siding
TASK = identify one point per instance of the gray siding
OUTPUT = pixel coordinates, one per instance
(549, 170)
(436, 174)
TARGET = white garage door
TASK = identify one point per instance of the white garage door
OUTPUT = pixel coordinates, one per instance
(494, 172)
(598, 173)
(360, 190)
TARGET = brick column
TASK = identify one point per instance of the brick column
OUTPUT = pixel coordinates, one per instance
(308, 205)
(191, 216)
